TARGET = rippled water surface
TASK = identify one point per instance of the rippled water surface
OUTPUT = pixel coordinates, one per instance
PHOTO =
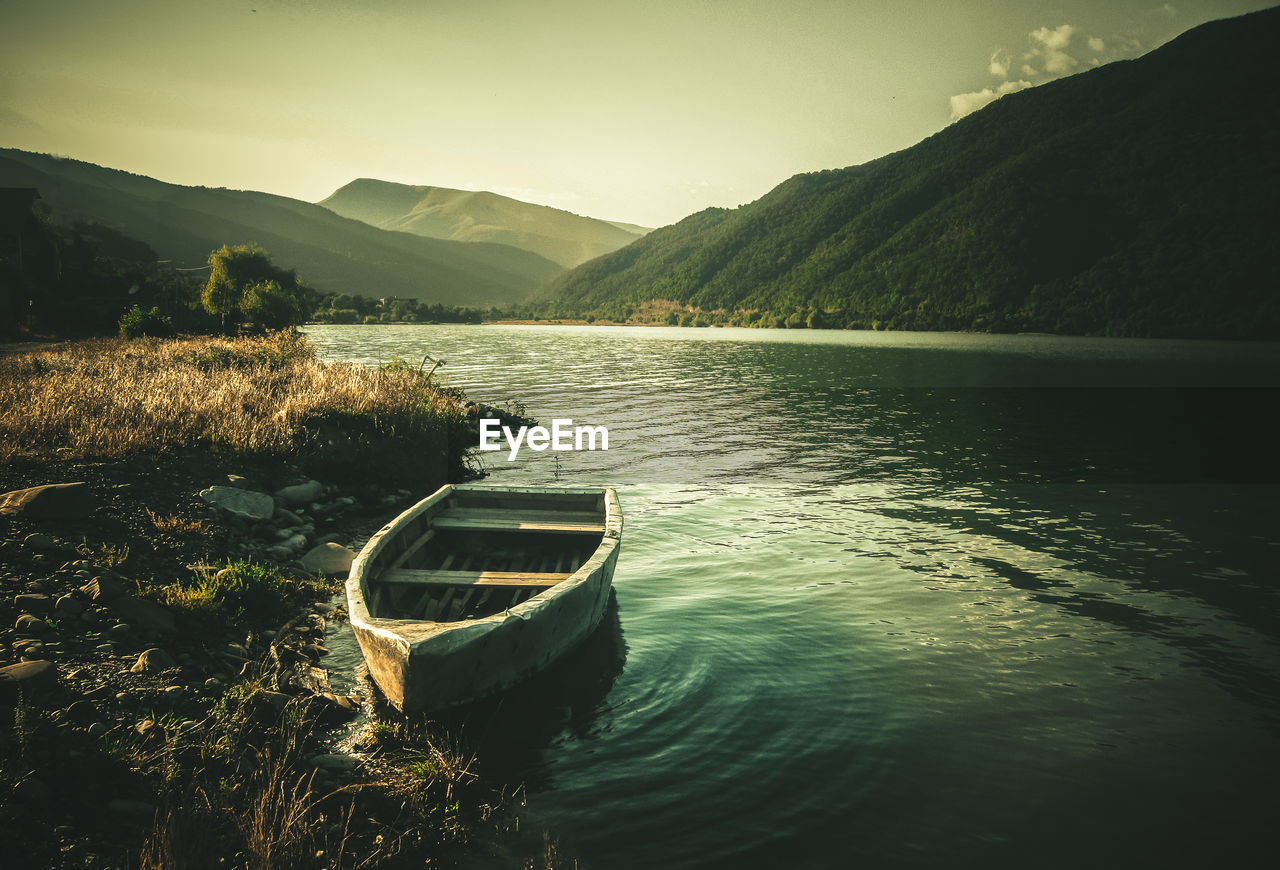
(900, 599)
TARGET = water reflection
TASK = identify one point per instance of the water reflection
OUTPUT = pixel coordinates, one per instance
(510, 732)
(904, 600)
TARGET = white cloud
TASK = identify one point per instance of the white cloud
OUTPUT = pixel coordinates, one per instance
(1050, 46)
(966, 104)
(1056, 39)
(1050, 55)
(1000, 62)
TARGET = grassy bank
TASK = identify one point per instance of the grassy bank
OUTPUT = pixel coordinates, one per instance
(115, 397)
(185, 719)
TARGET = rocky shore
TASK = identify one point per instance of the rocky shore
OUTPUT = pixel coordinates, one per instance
(163, 690)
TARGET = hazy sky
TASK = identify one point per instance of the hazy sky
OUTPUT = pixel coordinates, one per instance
(644, 111)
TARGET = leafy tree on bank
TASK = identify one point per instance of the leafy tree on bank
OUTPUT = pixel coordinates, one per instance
(244, 284)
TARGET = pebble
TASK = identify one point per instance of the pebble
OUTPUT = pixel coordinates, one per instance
(27, 646)
(173, 693)
(97, 729)
(30, 602)
(101, 589)
(39, 541)
(28, 624)
(153, 660)
(68, 606)
(81, 712)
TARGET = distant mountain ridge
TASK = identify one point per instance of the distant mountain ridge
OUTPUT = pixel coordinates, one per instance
(480, 216)
(329, 251)
(1140, 198)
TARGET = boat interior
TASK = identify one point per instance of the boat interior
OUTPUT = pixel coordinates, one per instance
(478, 554)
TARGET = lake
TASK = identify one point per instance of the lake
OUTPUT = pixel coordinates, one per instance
(898, 599)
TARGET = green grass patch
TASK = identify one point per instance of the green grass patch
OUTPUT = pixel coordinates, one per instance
(243, 592)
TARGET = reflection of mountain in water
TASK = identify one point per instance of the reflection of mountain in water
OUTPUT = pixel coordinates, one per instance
(509, 732)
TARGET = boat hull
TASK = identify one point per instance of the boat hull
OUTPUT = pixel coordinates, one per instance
(423, 665)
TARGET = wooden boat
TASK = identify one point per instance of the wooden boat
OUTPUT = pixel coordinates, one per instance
(476, 587)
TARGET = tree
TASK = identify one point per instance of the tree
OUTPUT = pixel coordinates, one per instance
(269, 304)
(243, 279)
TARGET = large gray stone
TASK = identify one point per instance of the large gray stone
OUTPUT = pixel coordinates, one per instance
(27, 679)
(243, 503)
(329, 559)
(301, 493)
(54, 501)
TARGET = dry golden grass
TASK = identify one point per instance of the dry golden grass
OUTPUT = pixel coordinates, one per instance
(174, 523)
(115, 397)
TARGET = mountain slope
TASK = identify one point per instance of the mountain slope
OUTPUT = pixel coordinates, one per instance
(479, 216)
(1139, 198)
(329, 252)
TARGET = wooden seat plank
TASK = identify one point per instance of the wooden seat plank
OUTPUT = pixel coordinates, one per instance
(419, 576)
(518, 521)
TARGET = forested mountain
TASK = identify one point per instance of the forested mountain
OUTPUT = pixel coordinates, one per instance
(1139, 198)
(480, 216)
(328, 251)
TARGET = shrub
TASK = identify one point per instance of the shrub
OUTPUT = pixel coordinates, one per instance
(137, 323)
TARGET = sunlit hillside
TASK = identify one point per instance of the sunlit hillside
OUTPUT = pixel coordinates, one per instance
(480, 216)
